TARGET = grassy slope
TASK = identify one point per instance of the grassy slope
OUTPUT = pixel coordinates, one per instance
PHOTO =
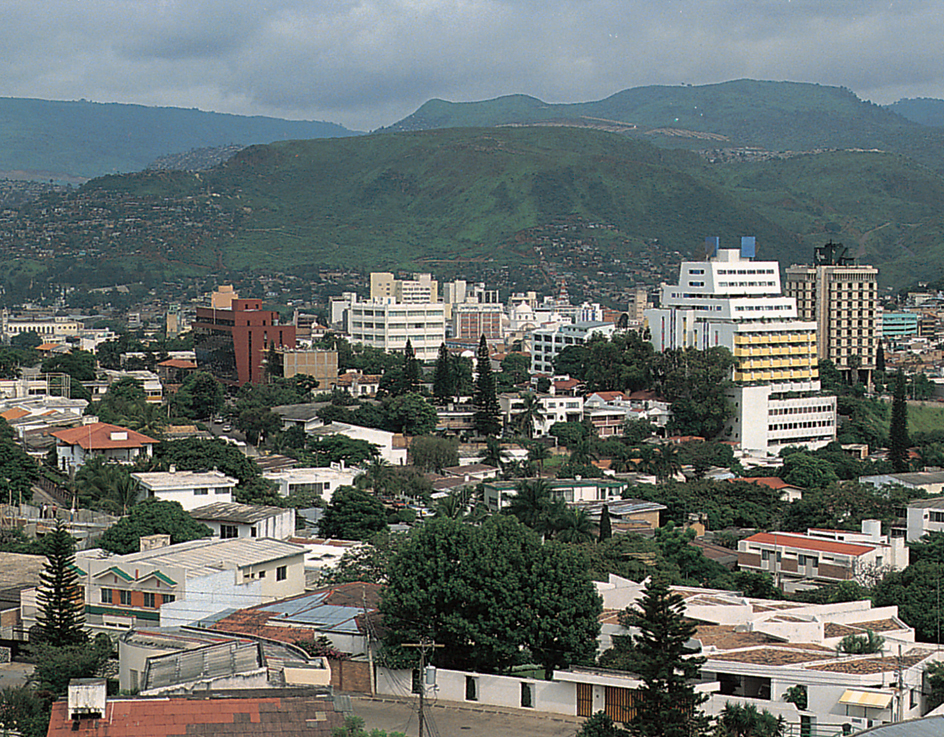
(88, 139)
(779, 116)
(395, 199)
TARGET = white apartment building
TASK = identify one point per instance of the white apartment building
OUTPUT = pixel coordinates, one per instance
(385, 324)
(46, 327)
(191, 489)
(421, 288)
(554, 408)
(547, 343)
(322, 481)
(730, 300)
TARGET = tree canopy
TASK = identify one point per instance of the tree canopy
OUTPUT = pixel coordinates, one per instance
(152, 517)
(352, 514)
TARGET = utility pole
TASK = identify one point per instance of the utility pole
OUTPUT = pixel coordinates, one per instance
(423, 646)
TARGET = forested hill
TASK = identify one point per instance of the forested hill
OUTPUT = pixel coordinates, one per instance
(774, 116)
(483, 203)
(81, 139)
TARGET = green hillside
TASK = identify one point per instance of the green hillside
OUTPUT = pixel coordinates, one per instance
(922, 110)
(777, 116)
(454, 200)
(82, 139)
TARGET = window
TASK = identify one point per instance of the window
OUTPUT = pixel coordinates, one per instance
(168, 598)
(124, 598)
(228, 532)
(149, 599)
(252, 532)
(222, 490)
(201, 491)
(526, 699)
(106, 596)
(281, 573)
(262, 574)
(471, 689)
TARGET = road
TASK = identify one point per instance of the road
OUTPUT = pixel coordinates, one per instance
(451, 719)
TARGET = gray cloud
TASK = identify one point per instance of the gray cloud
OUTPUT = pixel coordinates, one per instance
(367, 63)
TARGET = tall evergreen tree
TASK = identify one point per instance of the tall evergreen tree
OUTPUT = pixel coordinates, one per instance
(606, 527)
(61, 606)
(487, 412)
(898, 440)
(443, 383)
(411, 370)
(880, 358)
(668, 704)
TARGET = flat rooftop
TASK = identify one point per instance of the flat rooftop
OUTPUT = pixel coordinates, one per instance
(167, 480)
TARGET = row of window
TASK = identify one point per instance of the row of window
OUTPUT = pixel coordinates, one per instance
(801, 410)
(124, 598)
(204, 491)
(800, 425)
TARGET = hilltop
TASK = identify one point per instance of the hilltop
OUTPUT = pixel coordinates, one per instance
(513, 204)
(773, 116)
(77, 140)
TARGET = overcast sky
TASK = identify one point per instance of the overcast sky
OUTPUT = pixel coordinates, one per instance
(368, 63)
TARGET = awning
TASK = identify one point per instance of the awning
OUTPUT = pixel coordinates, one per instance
(869, 699)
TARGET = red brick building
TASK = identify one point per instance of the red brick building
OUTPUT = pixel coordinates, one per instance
(232, 344)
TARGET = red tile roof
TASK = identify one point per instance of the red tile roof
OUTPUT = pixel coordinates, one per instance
(14, 414)
(179, 363)
(609, 396)
(772, 482)
(788, 540)
(99, 436)
(217, 716)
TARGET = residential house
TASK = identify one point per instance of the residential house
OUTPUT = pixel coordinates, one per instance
(323, 481)
(626, 515)
(391, 446)
(149, 381)
(113, 443)
(173, 372)
(359, 384)
(824, 556)
(498, 494)
(230, 520)
(930, 482)
(788, 492)
(553, 409)
(924, 516)
(191, 489)
(180, 584)
(304, 415)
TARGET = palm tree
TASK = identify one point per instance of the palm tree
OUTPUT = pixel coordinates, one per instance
(494, 454)
(375, 476)
(582, 453)
(452, 506)
(535, 505)
(538, 453)
(531, 412)
(147, 418)
(666, 462)
(574, 526)
(124, 489)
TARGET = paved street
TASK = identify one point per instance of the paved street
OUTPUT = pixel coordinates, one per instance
(451, 719)
(14, 674)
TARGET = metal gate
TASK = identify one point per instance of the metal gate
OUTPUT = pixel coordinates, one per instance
(584, 700)
(620, 704)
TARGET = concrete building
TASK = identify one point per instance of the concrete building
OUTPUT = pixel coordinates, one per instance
(321, 481)
(421, 288)
(730, 300)
(180, 584)
(841, 297)
(47, 327)
(318, 363)
(498, 494)
(554, 409)
(923, 517)
(899, 325)
(232, 343)
(388, 325)
(191, 489)
(76, 445)
(470, 321)
(230, 520)
(930, 482)
(547, 343)
(391, 446)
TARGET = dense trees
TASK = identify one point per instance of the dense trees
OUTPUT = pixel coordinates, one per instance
(352, 514)
(434, 454)
(695, 382)
(486, 593)
(200, 397)
(18, 471)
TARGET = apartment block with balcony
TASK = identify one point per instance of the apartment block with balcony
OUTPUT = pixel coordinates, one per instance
(547, 343)
(731, 300)
(385, 324)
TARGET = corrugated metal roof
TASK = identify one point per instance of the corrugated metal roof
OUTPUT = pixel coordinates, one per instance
(928, 727)
(870, 699)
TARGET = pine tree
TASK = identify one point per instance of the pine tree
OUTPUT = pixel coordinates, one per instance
(411, 369)
(668, 704)
(606, 528)
(898, 440)
(61, 607)
(487, 412)
(880, 358)
(443, 383)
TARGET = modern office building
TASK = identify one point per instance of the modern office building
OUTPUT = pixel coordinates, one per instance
(421, 288)
(232, 343)
(730, 300)
(386, 324)
(841, 297)
(898, 325)
(472, 320)
(547, 343)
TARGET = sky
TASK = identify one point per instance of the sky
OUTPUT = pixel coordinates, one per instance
(369, 63)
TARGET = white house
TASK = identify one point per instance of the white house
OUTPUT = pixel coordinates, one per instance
(191, 488)
(554, 408)
(924, 516)
(322, 481)
(113, 443)
(231, 520)
(392, 446)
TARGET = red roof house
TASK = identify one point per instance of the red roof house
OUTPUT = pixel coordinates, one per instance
(75, 445)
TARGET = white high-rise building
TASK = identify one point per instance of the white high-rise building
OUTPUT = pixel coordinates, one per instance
(730, 300)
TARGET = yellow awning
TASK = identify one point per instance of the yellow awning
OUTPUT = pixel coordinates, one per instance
(866, 698)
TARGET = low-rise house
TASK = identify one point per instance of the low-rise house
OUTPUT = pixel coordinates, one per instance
(924, 516)
(88, 711)
(230, 520)
(173, 372)
(473, 472)
(191, 489)
(18, 572)
(930, 482)
(323, 481)
(75, 445)
(626, 515)
(149, 381)
(304, 415)
(498, 494)
(180, 584)
(554, 409)
(358, 384)
(788, 492)
(824, 556)
(392, 446)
